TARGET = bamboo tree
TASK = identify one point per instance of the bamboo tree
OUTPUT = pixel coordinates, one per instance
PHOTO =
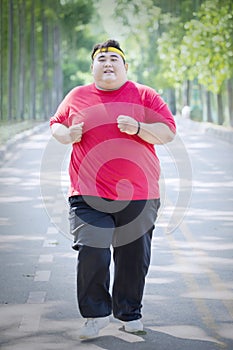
(10, 58)
(230, 99)
(34, 34)
(1, 61)
(32, 63)
(45, 51)
(21, 60)
(56, 56)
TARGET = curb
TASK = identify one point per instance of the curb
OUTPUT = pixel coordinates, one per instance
(220, 133)
(10, 145)
(217, 131)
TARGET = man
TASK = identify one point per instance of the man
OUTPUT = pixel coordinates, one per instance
(113, 125)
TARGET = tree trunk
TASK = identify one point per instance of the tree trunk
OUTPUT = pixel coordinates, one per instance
(21, 63)
(10, 58)
(57, 73)
(45, 91)
(220, 109)
(32, 64)
(172, 101)
(1, 62)
(230, 99)
(209, 109)
(186, 93)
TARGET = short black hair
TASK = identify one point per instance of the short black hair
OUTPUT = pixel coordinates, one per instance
(106, 44)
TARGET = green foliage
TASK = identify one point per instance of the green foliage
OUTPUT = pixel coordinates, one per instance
(173, 68)
(208, 46)
(201, 48)
(140, 21)
(41, 38)
(166, 43)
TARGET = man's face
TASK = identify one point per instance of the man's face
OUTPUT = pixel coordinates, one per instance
(109, 70)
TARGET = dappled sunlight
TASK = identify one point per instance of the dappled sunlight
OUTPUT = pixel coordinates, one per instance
(4, 221)
(185, 332)
(10, 180)
(71, 255)
(210, 185)
(32, 322)
(211, 260)
(11, 242)
(11, 199)
(205, 246)
(209, 293)
(10, 238)
(159, 280)
(183, 267)
(155, 297)
(225, 330)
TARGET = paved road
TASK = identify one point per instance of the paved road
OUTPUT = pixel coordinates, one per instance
(188, 297)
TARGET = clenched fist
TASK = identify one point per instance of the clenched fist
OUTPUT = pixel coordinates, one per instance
(127, 124)
(76, 132)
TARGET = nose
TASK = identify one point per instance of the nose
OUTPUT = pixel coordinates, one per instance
(107, 63)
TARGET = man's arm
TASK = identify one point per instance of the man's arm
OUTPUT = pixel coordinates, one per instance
(67, 135)
(155, 133)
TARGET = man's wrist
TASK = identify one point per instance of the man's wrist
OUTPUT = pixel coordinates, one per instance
(139, 127)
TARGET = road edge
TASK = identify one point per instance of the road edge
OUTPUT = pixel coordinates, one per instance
(7, 149)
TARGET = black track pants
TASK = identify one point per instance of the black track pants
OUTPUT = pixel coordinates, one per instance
(93, 279)
(95, 231)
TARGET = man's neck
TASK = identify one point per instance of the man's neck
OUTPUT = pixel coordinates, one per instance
(108, 89)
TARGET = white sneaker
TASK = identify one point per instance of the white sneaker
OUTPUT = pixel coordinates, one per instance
(133, 326)
(92, 327)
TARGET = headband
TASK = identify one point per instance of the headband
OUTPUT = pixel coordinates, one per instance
(109, 49)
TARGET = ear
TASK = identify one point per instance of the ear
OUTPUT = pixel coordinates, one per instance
(126, 67)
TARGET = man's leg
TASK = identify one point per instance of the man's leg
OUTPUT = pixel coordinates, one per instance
(131, 266)
(93, 279)
(93, 231)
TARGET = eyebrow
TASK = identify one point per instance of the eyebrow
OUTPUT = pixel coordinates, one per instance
(113, 55)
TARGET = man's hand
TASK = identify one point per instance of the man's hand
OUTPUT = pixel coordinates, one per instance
(127, 124)
(67, 135)
(154, 133)
(76, 132)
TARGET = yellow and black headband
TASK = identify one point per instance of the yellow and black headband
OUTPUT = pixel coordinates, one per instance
(109, 49)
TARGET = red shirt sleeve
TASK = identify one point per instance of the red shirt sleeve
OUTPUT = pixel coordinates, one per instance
(62, 113)
(157, 110)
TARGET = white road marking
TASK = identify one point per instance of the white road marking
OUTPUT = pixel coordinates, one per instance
(45, 258)
(36, 297)
(42, 276)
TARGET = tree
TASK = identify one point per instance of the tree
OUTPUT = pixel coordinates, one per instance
(200, 49)
(10, 59)
(208, 47)
(34, 35)
(21, 60)
(147, 22)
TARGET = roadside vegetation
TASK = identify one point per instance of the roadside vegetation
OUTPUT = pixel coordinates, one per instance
(182, 48)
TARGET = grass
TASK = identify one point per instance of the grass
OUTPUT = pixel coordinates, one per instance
(9, 129)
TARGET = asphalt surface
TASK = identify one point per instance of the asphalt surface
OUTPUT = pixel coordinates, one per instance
(188, 300)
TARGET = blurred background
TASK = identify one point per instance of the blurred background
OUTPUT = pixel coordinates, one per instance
(181, 48)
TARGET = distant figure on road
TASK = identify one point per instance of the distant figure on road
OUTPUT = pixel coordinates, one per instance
(186, 110)
(113, 125)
